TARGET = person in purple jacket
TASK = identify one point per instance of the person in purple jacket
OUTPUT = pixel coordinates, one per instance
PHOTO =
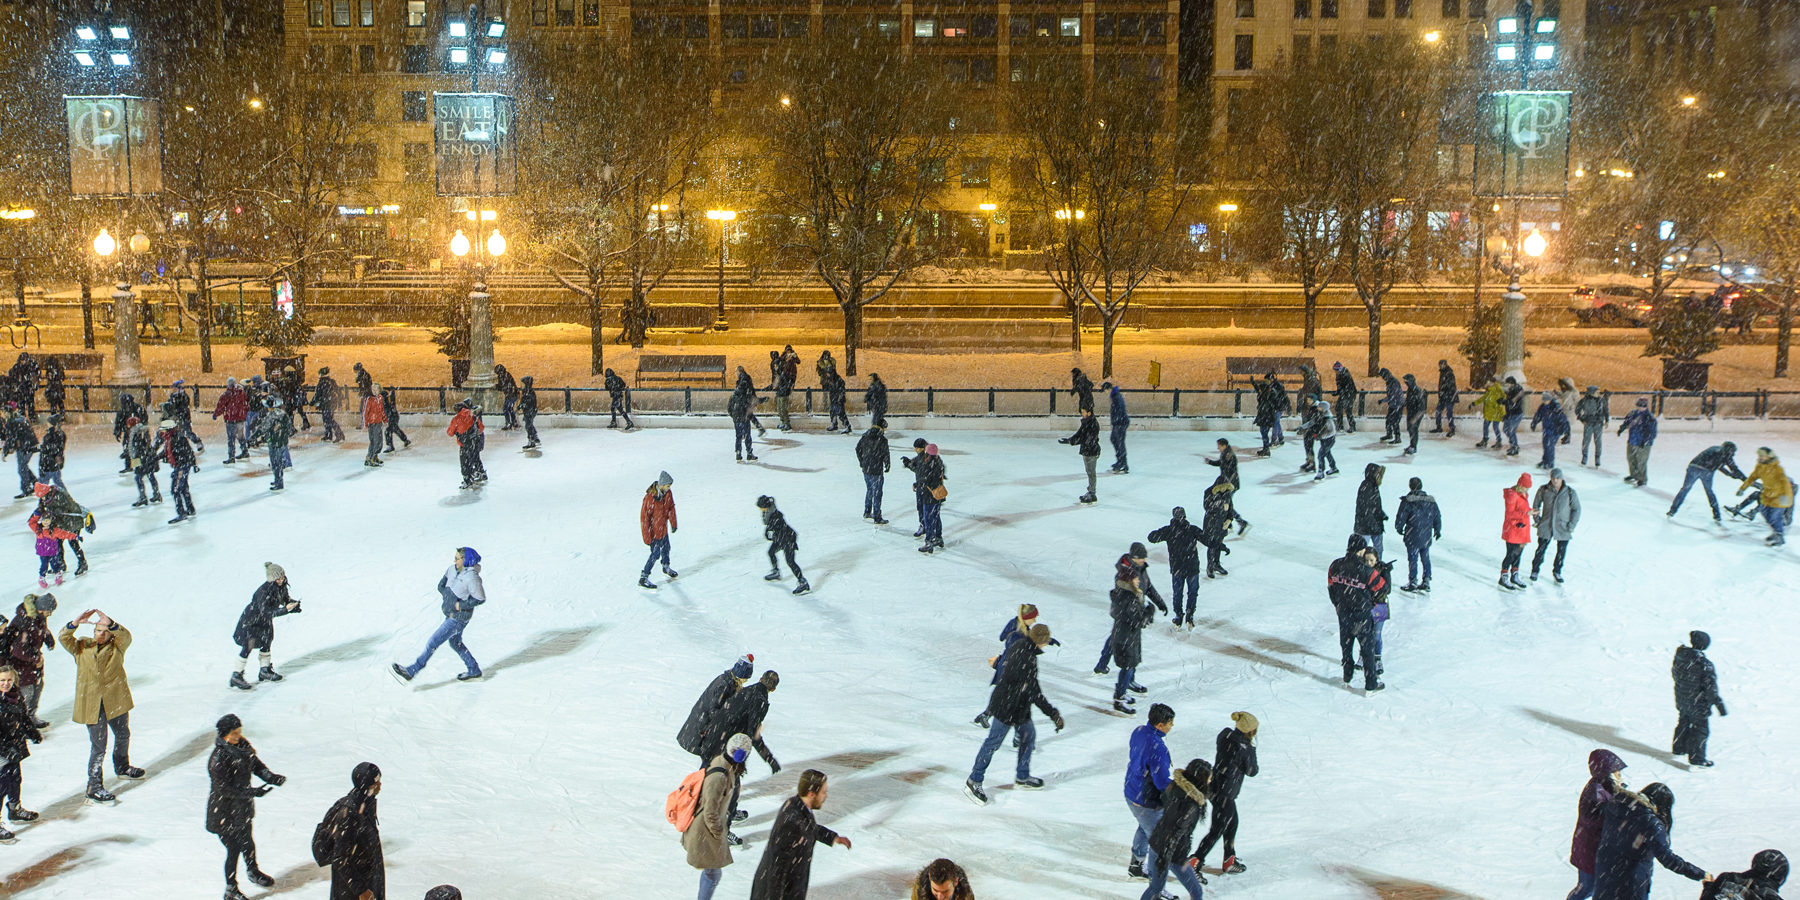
(1604, 766)
(1146, 777)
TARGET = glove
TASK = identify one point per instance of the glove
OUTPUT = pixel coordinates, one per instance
(1058, 719)
(261, 791)
(1062, 440)
(774, 765)
(277, 780)
(1722, 711)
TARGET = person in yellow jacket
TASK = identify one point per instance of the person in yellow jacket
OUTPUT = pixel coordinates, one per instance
(102, 696)
(1777, 494)
(1493, 411)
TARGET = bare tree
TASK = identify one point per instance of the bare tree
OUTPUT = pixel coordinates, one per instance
(856, 151)
(1767, 220)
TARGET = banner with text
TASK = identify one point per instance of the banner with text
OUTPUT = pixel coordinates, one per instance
(1522, 149)
(115, 146)
(475, 145)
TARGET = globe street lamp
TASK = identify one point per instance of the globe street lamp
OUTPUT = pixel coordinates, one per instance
(481, 321)
(1512, 307)
(128, 367)
(724, 217)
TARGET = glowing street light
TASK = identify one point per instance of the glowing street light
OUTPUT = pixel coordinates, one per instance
(1535, 244)
(104, 244)
(459, 244)
(1432, 37)
(496, 245)
(724, 217)
(1067, 214)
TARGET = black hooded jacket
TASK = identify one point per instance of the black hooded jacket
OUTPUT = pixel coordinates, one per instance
(1696, 684)
(1762, 881)
(352, 839)
(1183, 539)
(1370, 517)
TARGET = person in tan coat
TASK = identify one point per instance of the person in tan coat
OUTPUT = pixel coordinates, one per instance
(102, 695)
(705, 840)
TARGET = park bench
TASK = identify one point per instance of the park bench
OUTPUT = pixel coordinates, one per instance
(86, 365)
(1251, 368)
(662, 367)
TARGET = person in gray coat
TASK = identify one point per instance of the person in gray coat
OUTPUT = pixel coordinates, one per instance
(1556, 511)
(1591, 410)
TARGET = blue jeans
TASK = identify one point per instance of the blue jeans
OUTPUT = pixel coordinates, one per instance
(1159, 875)
(1696, 474)
(1379, 625)
(178, 490)
(658, 548)
(1778, 517)
(1118, 445)
(1105, 654)
(709, 882)
(1327, 462)
(1416, 558)
(740, 442)
(1189, 582)
(1487, 427)
(1127, 677)
(934, 526)
(52, 476)
(1147, 818)
(452, 631)
(1584, 886)
(1276, 428)
(997, 734)
(1374, 542)
(872, 495)
(1510, 427)
(1550, 439)
(234, 438)
(277, 459)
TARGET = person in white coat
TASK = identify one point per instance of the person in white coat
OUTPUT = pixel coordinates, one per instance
(462, 591)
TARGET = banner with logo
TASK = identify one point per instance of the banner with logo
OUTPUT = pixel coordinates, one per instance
(115, 146)
(475, 147)
(1522, 147)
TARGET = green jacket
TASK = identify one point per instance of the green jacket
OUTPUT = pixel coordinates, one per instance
(1493, 403)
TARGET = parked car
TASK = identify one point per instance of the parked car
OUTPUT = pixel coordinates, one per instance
(1610, 304)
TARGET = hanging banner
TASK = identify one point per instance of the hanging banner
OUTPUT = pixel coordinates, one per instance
(1522, 148)
(474, 145)
(115, 146)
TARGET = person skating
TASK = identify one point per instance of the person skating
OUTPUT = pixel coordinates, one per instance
(786, 867)
(1553, 421)
(21, 441)
(942, 879)
(1234, 760)
(1447, 396)
(68, 521)
(231, 802)
(875, 460)
(1345, 403)
(1131, 572)
(293, 396)
(835, 397)
(1594, 414)
(1271, 404)
(743, 713)
(1015, 693)
(1227, 463)
(1308, 429)
(1492, 404)
(528, 410)
(50, 452)
(656, 520)
(180, 408)
(782, 539)
(508, 386)
(1393, 396)
(1120, 420)
(1348, 582)
(705, 838)
(741, 408)
(1183, 538)
(1086, 441)
(467, 429)
(173, 448)
(1327, 436)
(1556, 510)
(1604, 781)
(1567, 398)
(256, 403)
(23, 642)
(1515, 530)
(783, 387)
(1309, 382)
(1082, 389)
(44, 543)
(1416, 402)
(17, 726)
(365, 383)
(929, 478)
(1696, 696)
(1777, 494)
(916, 463)
(1762, 881)
(1634, 830)
(128, 409)
(461, 591)
(326, 397)
(1217, 511)
(1146, 776)
(140, 461)
(1184, 805)
(275, 428)
(55, 393)
(102, 696)
(256, 625)
(1514, 407)
(1700, 469)
(1131, 613)
(1418, 523)
(1016, 631)
(349, 839)
(1371, 518)
(234, 406)
(619, 397)
(374, 418)
(1641, 425)
(875, 398)
(390, 408)
(693, 736)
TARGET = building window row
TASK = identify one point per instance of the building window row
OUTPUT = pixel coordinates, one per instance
(689, 27)
(762, 27)
(565, 13)
(344, 13)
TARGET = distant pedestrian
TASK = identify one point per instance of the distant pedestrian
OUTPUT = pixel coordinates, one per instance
(1086, 441)
(874, 459)
(1183, 538)
(1345, 405)
(1641, 424)
(234, 406)
(1234, 761)
(528, 410)
(256, 625)
(349, 840)
(1121, 420)
(1553, 421)
(460, 590)
(374, 418)
(656, 519)
(231, 802)
(1777, 494)
(1446, 401)
(1696, 696)
(1515, 530)
(1700, 469)
(1371, 518)
(390, 407)
(875, 398)
(1016, 691)
(1082, 388)
(1557, 510)
(782, 539)
(619, 398)
(1594, 415)
(102, 696)
(1419, 523)
(786, 867)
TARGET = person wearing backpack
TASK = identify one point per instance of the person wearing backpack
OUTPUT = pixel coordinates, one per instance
(704, 839)
(349, 840)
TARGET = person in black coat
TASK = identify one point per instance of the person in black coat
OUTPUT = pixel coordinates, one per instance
(390, 405)
(1718, 458)
(742, 410)
(1634, 830)
(1345, 407)
(1228, 470)
(173, 447)
(1015, 692)
(54, 391)
(1348, 582)
(1183, 538)
(742, 713)
(1762, 881)
(128, 409)
(1419, 523)
(1394, 398)
(1446, 401)
(1082, 388)
(782, 539)
(1696, 695)
(1183, 806)
(1415, 412)
(620, 398)
(21, 441)
(365, 383)
(875, 460)
(1218, 510)
(231, 804)
(1371, 519)
(786, 867)
(256, 626)
(508, 386)
(693, 736)
(50, 452)
(1131, 613)
(1271, 397)
(1086, 440)
(1514, 413)
(836, 392)
(325, 399)
(350, 842)
(528, 410)
(17, 726)
(875, 398)
(1234, 760)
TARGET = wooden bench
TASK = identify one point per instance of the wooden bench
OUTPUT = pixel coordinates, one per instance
(85, 364)
(659, 367)
(1251, 368)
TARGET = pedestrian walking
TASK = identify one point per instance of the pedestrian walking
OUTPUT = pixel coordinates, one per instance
(528, 411)
(1394, 398)
(1015, 693)
(1492, 404)
(256, 626)
(234, 406)
(1349, 582)
(1120, 419)
(1553, 420)
(1086, 441)
(1183, 538)
(705, 838)
(742, 410)
(102, 696)
(929, 478)
(508, 386)
(461, 591)
(786, 866)
(326, 397)
(619, 397)
(1082, 389)
(1777, 494)
(942, 879)
(275, 429)
(782, 539)
(1418, 523)
(873, 457)
(1641, 424)
(1371, 518)
(17, 727)
(390, 408)
(1604, 781)
(374, 418)
(173, 448)
(1184, 805)
(231, 801)
(23, 641)
(1446, 401)
(349, 839)
(1556, 511)
(875, 398)
(20, 441)
(656, 520)
(1696, 696)
(1146, 777)
(1345, 406)
(1634, 829)
(1515, 530)
(1514, 404)
(1700, 469)
(1234, 760)
(1416, 402)
(693, 736)
(1594, 413)
(467, 429)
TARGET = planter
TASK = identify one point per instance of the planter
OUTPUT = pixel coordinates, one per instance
(1684, 374)
(272, 366)
(459, 372)
(1482, 371)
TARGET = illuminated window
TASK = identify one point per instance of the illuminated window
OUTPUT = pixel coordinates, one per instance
(415, 13)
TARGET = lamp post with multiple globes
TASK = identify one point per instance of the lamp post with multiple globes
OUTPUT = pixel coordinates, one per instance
(128, 366)
(481, 322)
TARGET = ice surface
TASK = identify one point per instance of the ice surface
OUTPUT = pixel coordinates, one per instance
(547, 779)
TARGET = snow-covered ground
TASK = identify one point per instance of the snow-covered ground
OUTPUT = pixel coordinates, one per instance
(547, 779)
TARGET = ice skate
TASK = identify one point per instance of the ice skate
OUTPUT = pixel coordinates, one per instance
(260, 878)
(774, 575)
(645, 582)
(101, 795)
(804, 588)
(974, 792)
(400, 672)
(268, 673)
(237, 681)
(1029, 783)
(19, 813)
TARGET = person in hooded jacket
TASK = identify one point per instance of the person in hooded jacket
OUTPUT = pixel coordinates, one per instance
(326, 395)
(350, 840)
(1394, 398)
(528, 410)
(21, 441)
(1762, 881)
(1016, 631)
(706, 838)
(1131, 613)
(1086, 441)
(1696, 695)
(1345, 402)
(461, 590)
(234, 405)
(743, 713)
(836, 394)
(129, 408)
(1309, 382)
(50, 452)
(1515, 530)
(364, 381)
(276, 429)
(1015, 692)
(1184, 805)
(1348, 583)
(1594, 414)
(875, 398)
(1327, 436)
(256, 626)
(1227, 463)
(1514, 404)
(1120, 420)
(1634, 831)
(1217, 511)
(1604, 767)
(656, 519)
(942, 879)
(1492, 404)
(742, 410)
(1416, 403)
(620, 398)
(1418, 523)
(1082, 388)
(1233, 761)
(1132, 572)
(1146, 777)
(1553, 421)
(1776, 496)
(142, 462)
(231, 801)
(1371, 519)
(1183, 538)
(1556, 510)
(390, 409)
(22, 644)
(16, 729)
(693, 734)
(875, 460)
(1446, 400)
(173, 447)
(782, 539)
(508, 386)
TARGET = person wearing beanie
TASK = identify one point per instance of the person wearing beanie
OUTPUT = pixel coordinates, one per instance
(102, 696)
(1513, 403)
(349, 839)
(1515, 530)
(1447, 396)
(1696, 695)
(1086, 441)
(1419, 523)
(22, 644)
(325, 400)
(16, 729)
(782, 539)
(256, 626)
(1233, 761)
(1634, 832)
(932, 494)
(1416, 404)
(1183, 538)
(1121, 421)
(374, 419)
(620, 396)
(916, 463)
(1016, 630)
(693, 734)
(743, 714)
(1776, 496)
(1762, 881)
(1131, 613)
(1594, 413)
(1700, 469)
(51, 451)
(656, 520)
(139, 461)
(172, 447)
(528, 410)
(1553, 421)
(275, 429)
(180, 408)
(707, 839)
(1016, 691)
(1346, 395)
(461, 590)
(1557, 510)
(741, 409)
(875, 398)
(1130, 572)
(1271, 404)
(1639, 428)
(942, 879)
(1146, 776)
(231, 803)
(1604, 767)
(875, 460)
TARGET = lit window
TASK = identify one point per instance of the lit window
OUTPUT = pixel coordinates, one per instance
(1506, 52)
(415, 13)
(366, 14)
(459, 56)
(924, 28)
(1070, 26)
(340, 13)
(1544, 52)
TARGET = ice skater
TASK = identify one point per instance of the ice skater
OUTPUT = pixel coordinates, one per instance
(835, 396)
(1370, 518)
(786, 866)
(1015, 693)
(508, 386)
(1131, 613)
(875, 398)
(102, 696)
(1228, 470)
(231, 803)
(656, 520)
(528, 410)
(21, 441)
(1553, 421)
(693, 735)
(742, 410)
(1016, 629)
(1776, 496)
(1234, 760)
(1086, 441)
(17, 726)
(275, 429)
(256, 625)
(1121, 421)
(1513, 404)
(619, 397)
(1446, 401)
(1217, 513)
(467, 429)
(1415, 413)
(1183, 806)
(932, 494)
(1594, 415)
(50, 452)
(706, 839)
(1418, 522)
(875, 461)
(1393, 396)
(782, 539)
(1515, 530)
(234, 405)
(390, 408)
(349, 839)
(1183, 538)
(173, 447)
(1604, 781)
(1700, 469)
(1557, 510)
(1348, 583)
(326, 395)
(1345, 405)
(462, 591)
(1146, 775)
(374, 418)
(22, 644)
(1696, 695)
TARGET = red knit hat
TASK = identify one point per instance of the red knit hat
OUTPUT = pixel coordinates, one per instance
(1524, 480)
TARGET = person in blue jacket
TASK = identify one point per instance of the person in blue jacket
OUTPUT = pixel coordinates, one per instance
(1419, 523)
(1634, 829)
(1146, 777)
(1553, 421)
(1642, 425)
(462, 591)
(1121, 420)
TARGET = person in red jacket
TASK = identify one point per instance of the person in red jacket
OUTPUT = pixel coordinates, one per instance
(466, 427)
(1515, 530)
(657, 520)
(234, 405)
(374, 418)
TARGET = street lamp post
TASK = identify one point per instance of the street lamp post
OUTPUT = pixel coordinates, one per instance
(724, 217)
(128, 366)
(1225, 211)
(481, 322)
(1512, 308)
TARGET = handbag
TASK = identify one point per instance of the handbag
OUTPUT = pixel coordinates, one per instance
(939, 493)
(1380, 612)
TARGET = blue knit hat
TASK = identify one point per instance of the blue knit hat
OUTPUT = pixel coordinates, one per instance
(470, 557)
(744, 667)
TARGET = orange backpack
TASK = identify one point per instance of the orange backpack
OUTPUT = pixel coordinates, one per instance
(684, 801)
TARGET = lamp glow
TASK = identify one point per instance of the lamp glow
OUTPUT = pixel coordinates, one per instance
(120, 33)
(139, 242)
(459, 56)
(104, 244)
(1228, 207)
(496, 245)
(459, 244)
(1535, 244)
(721, 215)
(1432, 37)
(989, 207)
